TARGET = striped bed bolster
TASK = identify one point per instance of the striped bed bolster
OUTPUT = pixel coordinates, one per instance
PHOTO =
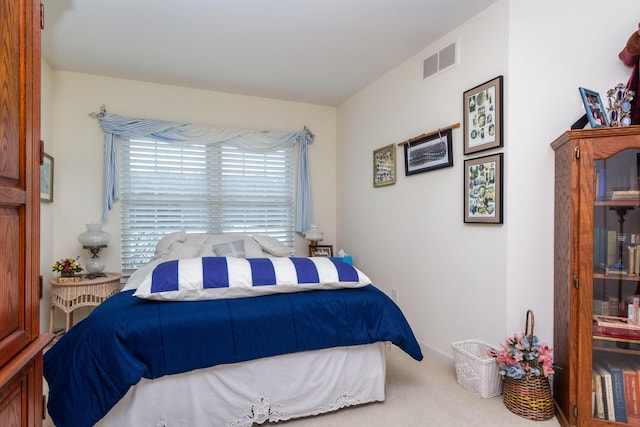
(206, 278)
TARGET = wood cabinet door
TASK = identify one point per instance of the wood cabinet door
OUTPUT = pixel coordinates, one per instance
(20, 341)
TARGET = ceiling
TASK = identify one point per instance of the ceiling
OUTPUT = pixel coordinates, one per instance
(312, 51)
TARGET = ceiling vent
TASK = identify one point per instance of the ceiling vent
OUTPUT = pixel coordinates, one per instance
(440, 61)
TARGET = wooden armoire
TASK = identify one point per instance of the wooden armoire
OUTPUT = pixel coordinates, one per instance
(21, 344)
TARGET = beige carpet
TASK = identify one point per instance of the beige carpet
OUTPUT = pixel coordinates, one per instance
(418, 394)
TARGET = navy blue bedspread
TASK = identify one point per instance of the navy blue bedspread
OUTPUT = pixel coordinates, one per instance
(127, 338)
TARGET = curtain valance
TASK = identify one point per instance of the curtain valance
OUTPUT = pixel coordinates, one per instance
(116, 127)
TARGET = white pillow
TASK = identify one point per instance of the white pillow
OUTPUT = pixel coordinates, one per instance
(208, 278)
(273, 246)
(163, 246)
(234, 249)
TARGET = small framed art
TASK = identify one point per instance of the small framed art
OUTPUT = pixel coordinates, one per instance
(483, 116)
(428, 153)
(483, 189)
(384, 166)
(596, 113)
(321, 250)
(46, 179)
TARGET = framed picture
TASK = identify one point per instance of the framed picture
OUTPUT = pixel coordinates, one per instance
(596, 113)
(428, 153)
(321, 250)
(46, 179)
(483, 116)
(384, 166)
(483, 189)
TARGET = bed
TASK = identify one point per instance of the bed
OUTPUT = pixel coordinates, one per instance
(213, 332)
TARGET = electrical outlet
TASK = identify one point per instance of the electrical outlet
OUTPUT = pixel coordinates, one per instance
(394, 295)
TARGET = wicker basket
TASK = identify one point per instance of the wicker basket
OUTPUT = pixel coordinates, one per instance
(529, 397)
(475, 370)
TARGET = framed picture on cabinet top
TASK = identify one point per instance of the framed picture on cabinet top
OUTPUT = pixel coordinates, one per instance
(593, 106)
(384, 166)
(483, 116)
(46, 179)
(483, 189)
(428, 153)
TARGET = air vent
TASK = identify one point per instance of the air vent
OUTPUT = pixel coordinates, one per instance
(440, 61)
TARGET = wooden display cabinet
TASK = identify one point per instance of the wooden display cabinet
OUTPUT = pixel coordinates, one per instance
(597, 229)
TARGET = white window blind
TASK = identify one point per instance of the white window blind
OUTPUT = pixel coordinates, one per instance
(168, 187)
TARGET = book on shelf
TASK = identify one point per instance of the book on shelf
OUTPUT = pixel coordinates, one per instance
(630, 379)
(71, 279)
(622, 194)
(612, 270)
(617, 387)
(607, 391)
(598, 402)
(615, 327)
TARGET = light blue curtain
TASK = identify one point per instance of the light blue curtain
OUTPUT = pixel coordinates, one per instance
(116, 127)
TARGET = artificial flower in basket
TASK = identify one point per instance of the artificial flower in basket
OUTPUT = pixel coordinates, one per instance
(523, 356)
(67, 266)
(525, 364)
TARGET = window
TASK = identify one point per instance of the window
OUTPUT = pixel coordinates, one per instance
(168, 187)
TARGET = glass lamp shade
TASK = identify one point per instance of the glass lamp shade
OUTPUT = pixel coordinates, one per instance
(94, 236)
(94, 239)
(314, 234)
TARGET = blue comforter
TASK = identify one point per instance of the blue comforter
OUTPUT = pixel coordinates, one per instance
(127, 338)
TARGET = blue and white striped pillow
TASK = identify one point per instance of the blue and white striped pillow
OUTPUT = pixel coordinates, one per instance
(209, 278)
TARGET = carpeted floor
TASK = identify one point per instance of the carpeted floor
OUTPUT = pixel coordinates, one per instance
(418, 394)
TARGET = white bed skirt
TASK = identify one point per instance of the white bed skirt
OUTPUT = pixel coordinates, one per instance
(270, 389)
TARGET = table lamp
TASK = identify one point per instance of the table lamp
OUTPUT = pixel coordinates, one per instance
(94, 239)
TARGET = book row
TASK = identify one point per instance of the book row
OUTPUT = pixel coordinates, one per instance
(616, 391)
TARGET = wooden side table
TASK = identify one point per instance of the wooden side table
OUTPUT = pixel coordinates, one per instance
(70, 296)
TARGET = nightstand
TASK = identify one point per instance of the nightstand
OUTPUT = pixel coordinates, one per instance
(70, 296)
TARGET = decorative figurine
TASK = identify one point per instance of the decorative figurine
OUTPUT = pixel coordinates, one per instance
(619, 110)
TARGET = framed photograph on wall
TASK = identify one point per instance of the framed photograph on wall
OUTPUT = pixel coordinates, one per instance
(428, 153)
(321, 250)
(593, 106)
(46, 179)
(384, 166)
(483, 116)
(483, 189)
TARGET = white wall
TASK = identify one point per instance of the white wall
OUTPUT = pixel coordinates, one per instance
(459, 281)
(76, 142)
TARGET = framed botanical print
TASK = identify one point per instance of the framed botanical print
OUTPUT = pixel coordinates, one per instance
(483, 189)
(483, 116)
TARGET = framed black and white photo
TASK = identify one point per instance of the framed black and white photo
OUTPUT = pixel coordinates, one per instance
(384, 166)
(483, 189)
(483, 116)
(428, 153)
(46, 179)
(593, 106)
(321, 250)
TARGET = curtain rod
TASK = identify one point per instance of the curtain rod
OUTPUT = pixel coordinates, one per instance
(103, 111)
(424, 135)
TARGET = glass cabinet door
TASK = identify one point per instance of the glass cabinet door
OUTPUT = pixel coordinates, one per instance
(616, 288)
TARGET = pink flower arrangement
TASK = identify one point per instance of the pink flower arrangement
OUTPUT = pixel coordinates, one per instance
(67, 265)
(523, 356)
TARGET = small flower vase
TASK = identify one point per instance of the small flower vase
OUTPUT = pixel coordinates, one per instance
(67, 273)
